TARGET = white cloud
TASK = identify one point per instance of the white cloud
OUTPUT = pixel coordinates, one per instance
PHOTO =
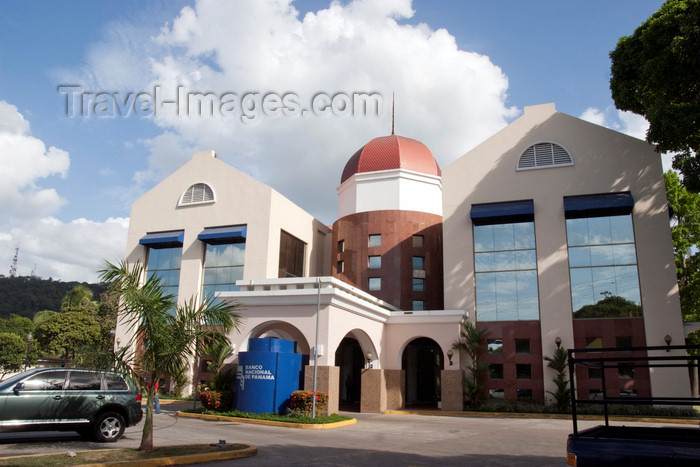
(625, 122)
(448, 98)
(69, 251)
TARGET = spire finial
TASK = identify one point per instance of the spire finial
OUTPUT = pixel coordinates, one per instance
(392, 113)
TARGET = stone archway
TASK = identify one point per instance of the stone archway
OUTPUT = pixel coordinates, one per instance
(422, 361)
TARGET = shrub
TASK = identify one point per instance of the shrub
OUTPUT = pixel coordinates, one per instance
(209, 398)
(301, 402)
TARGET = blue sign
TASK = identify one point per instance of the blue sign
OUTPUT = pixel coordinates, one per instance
(267, 375)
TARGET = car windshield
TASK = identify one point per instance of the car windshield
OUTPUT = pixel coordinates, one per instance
(11, 381)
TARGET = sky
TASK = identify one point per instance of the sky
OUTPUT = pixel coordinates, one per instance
(94, 98)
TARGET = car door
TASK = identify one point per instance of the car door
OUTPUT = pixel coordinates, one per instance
(37, 399)
(82, 397)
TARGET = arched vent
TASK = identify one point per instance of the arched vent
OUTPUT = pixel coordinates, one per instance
(542, 155)
(197, 194)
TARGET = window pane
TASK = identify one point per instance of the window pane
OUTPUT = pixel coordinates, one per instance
(483, 238)
(505, 261)
(522, 346)
(418, 305)
(418, 262)
(622, 231)
(486, 297)
(84, 381)
(494, 346)
(375, 283)
(523, 371)
(602, 255)
(46, 381)
(503, 237)
(485, 262)
(418, 241)
(524, 233)
(115, 383)
(375, 262)
(418, 284)
(577, 232)
(375, 240)
(599, 231)
(495, 371)
(525, 260)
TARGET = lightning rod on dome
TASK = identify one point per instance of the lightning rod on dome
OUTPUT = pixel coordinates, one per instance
(392, 113)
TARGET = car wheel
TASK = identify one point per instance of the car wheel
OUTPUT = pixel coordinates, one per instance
(108, 427)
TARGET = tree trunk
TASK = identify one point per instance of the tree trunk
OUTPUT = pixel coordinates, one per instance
(147, 435)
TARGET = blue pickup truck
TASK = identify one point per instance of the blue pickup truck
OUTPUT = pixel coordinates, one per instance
(621, 445)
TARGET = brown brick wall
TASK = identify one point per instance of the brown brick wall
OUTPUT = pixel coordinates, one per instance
(397, 229)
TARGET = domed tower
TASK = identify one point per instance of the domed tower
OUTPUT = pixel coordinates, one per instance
(389, 229)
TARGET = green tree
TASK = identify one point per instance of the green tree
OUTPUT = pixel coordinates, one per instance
(164, 337)
(13, 351)
(685, 232)
(472, 343)
(64, 333)
(78, 296)
(612, 306)
(16, 324)
(559, 363)
(654, 73)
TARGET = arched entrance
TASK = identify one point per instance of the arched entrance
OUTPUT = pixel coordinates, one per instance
(422, 361)
(350, 359)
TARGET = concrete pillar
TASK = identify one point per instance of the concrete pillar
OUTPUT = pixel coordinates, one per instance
(328, 381)
(382, 390)
(451, 393)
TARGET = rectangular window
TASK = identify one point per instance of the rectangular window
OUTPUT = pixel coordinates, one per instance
(505, 263)
(593, 343)
(623, 342)
(523, 371)
(341, 246)
(522, 346)
(340, 267)
(603, 267)
(418, 241)
(494, 346)
(495, 371)
(165, 263)
(375, 240)
(375, 262)
(595, 372)
(223, 266)
(626, 371)
(524, 394)
(418, 284)
(418, 262)
(375, 283)
(84, 381)
(418, 305)
(291, 262)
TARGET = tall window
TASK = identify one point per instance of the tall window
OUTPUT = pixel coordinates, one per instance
(506, 272)
(223, 266)
(291, 256)
(603, 267)
(165, 263)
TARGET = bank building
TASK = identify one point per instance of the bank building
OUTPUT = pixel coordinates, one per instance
(525, 235)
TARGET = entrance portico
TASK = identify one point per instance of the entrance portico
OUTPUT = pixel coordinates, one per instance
(367, 349)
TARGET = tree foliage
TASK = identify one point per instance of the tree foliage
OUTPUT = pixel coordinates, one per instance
(612, 306)
(63, 334)
(16, 324)
(472, 343)
(685, 232)
(654, 73)
(13, 351)
(164, 336)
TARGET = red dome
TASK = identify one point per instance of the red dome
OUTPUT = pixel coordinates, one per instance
(391, 152)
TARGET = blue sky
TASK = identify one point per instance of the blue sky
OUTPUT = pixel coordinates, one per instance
(461, 70)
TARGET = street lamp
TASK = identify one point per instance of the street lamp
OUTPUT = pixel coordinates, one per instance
(668, 340)
(369, 360)
(449, 356)
(558, 341)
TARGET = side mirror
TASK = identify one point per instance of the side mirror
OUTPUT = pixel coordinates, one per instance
(17, 388)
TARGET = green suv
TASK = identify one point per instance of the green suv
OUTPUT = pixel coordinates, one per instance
(93, 403)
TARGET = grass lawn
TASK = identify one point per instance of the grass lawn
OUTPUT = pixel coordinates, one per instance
(273, 417)
(113, 455)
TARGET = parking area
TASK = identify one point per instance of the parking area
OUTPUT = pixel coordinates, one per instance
(374, 440)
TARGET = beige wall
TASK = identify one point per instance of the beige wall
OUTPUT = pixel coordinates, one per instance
(239, 199)
(605, 161)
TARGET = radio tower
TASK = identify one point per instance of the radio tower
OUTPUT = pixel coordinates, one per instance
(13, 268)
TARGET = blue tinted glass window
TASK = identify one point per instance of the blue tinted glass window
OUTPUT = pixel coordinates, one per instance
(165, 263)
(603, 267)
(223, 266)
(505, 262)
(375, 262)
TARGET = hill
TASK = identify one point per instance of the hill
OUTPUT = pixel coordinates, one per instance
(26, 295)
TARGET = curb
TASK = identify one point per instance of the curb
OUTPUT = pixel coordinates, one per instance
(249, 451)
(304, 426)
(615, 418)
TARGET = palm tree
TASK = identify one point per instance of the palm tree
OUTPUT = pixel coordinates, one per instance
(79, 295)
(472, 342)
(164, 336)
(559, 362)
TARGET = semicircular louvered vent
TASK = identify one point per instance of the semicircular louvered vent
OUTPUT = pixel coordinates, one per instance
(197, 194)
(543, 155)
